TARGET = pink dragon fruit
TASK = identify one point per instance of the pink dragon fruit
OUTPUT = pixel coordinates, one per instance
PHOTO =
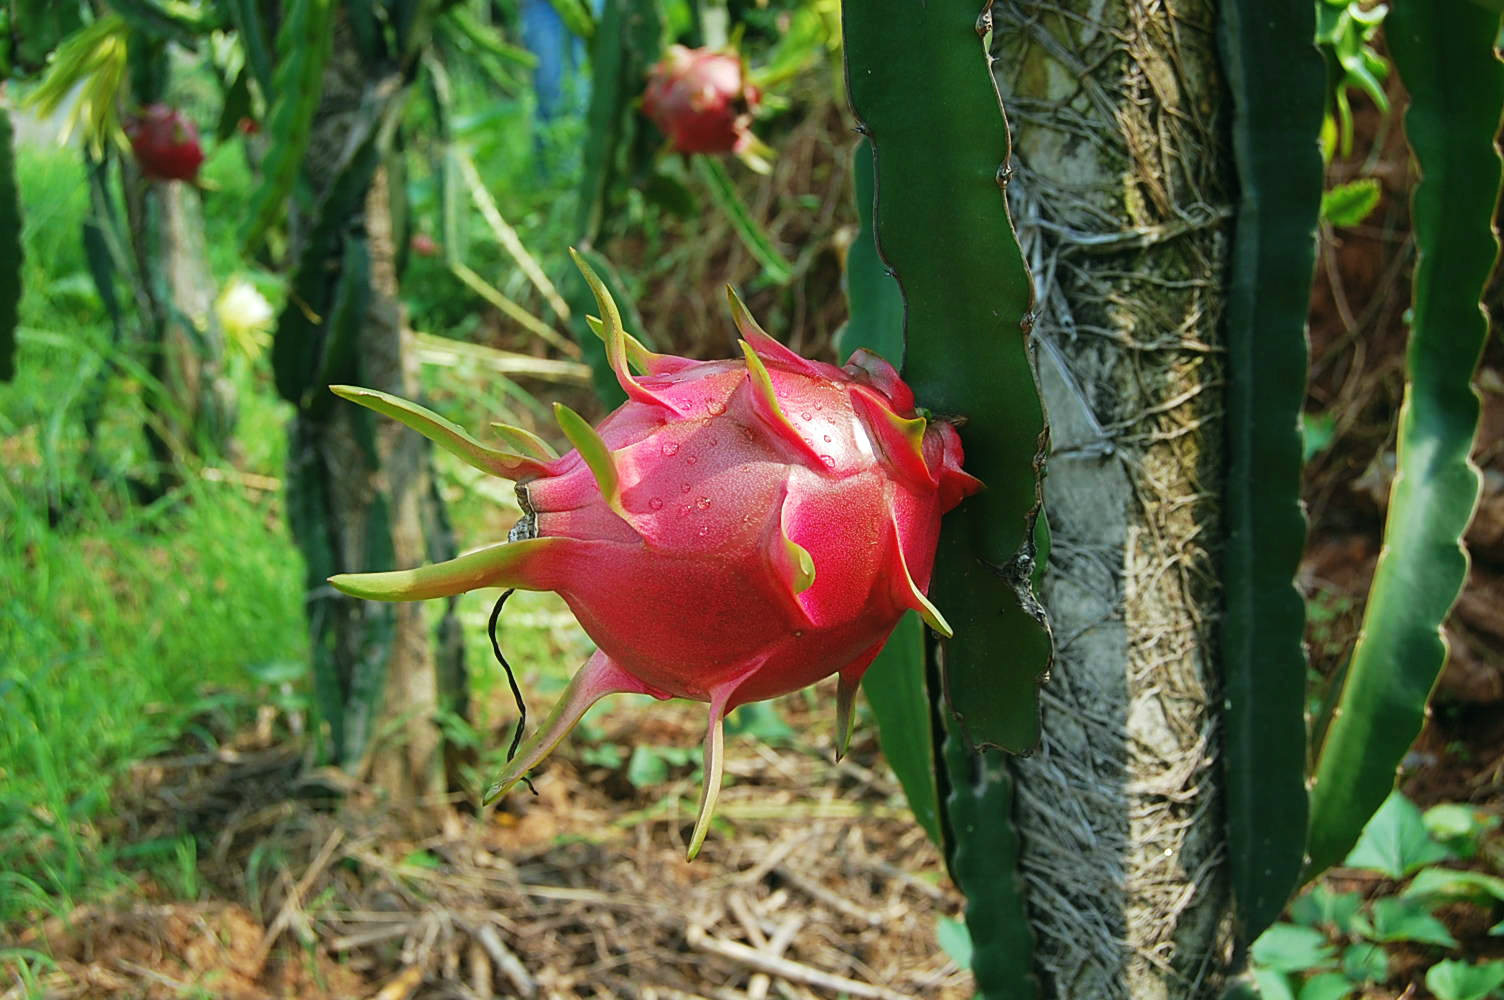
(165, 142)
(701, 99)
(735, 531)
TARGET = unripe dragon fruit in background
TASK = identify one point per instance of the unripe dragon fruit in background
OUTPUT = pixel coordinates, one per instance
(165, 143)
(701, 99)
(735, 531)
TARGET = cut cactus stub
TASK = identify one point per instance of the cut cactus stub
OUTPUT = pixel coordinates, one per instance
(735, 531)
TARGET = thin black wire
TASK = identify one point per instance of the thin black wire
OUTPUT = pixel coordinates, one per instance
(512, 680)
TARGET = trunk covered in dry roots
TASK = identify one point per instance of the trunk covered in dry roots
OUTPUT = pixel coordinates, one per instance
(1122, 193)
(361, 498)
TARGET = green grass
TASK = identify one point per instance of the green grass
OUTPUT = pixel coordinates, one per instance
(116, 620)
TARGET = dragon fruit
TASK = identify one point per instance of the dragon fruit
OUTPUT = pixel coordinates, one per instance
(701, 99)
(165, 143)
(735, 531)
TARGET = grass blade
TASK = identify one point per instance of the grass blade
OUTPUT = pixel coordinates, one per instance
(1444, 52)
(1277, 79)
(752, 235)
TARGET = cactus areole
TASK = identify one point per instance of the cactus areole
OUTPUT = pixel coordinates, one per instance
(735, 531)
(702, 100)
(165, 143)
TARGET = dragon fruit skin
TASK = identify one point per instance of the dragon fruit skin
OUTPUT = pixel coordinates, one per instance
(701, 99)
(165, 143)
(735, 531)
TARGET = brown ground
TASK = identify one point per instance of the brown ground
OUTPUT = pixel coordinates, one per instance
(815, 883)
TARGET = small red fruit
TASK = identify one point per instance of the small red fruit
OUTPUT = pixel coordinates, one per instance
(424, 245)
(165, 143)
(701, 99)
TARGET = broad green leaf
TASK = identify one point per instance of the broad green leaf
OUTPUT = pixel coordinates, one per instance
(1460, 827)
(1395, 842)
(647, 767)
(1275, 76)
(1446, 885)
(1349, 204)
(1453, 980)
(1326, 986)
(1288, 948)
(1408, 920)
(896, 689)
(1365, 962)
(1323, 907)
(1444, 52)
(954, 941)
(10, 251)
(1273, 985)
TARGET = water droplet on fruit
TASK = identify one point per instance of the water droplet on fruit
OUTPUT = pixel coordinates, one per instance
(807, 415)
(712, 442)
(683, 487)
(702, 502)
(704, 530)
(691, 460)
(798, 633)
(827, 439)
(655, 503)
(716, 407)
(830, 463)
(670, 448)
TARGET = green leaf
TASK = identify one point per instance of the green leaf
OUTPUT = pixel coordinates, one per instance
(1322, 907)
(1460, 827)
(954, 941)
(759, 244)
(1326, 986)
(1446, 885)
(1453, 980)
(647, 767)
(1408, 920)
(10, 251)
(1365, 963)
(940, 145)
(896, 689)
(1349, 204)
(1276, 78)
(1288, 948)
(1272, 985)
(1396, 842)
(1444, 52)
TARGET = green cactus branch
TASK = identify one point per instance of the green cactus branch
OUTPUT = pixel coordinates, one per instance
(1276, 77)
(1444, 52)
(940, 151)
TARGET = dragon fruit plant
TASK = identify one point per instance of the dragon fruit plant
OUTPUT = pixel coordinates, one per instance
(702, 100)
(165, 143)
(736, 530)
